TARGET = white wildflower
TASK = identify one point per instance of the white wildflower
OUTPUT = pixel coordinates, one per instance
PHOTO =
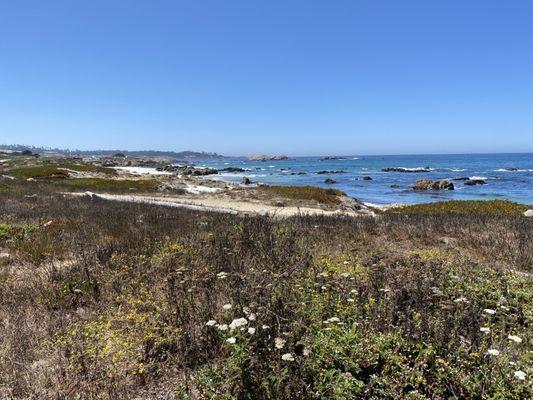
(512, 363)
(351, 300)
(222, 327)
(520, 375)
(353, 291)
(265, 327)
(236, 323)
(231, 340)
(211, 322)
(489, 311)
(514, 338)
(279, 343)
(287, 357)
(222, 275)
(306, 352)
(346, 262)
(345, 274)
(227, 306)
(251, 331)
(485, 329)
(493, 352)
(252, 317)
(246, 310)
(461, 299)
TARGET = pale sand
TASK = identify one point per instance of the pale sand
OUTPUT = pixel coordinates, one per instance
(224, 205)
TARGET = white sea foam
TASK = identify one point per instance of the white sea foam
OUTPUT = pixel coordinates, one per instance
(483, 178)
(513, 170)
(143, 171)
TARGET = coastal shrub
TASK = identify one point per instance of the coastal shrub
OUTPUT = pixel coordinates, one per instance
(324, 196)
(56, 170)
(39, 172)
(464, 207)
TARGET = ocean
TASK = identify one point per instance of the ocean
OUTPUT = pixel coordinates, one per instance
(507, 176)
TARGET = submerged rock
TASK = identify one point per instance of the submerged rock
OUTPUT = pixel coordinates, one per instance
(330, 181)
(367, 178)
(428, 184)
(246, 180)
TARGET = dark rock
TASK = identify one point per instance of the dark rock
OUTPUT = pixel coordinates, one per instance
(246, 180)
(232, 169)
(330, 172)
(188, 170)
(332, 158)
(367, 178)
(474, 182)
(428, 184)
(511, 169)
(461, 179)
(330, 181)
(395, 186)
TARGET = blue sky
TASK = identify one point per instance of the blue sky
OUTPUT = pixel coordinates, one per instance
(294, 77)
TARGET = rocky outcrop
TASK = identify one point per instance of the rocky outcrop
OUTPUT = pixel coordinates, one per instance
(332, 158)
(263, 157)
(428, 184)
(330, 172)
(401, 169)
(188, 170)
(474, 182)
(246, 180)
(232, 169)
(330, 181)
(366, 178)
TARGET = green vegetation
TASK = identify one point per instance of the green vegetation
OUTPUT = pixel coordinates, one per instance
(324, 196)
(57, 171)
(117, 301)
(464, 207)
(109, 185)
(36, 172)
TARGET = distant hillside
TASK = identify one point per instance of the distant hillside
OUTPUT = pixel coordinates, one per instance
(182, 155)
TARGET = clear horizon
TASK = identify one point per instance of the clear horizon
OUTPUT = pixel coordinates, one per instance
(250, 77)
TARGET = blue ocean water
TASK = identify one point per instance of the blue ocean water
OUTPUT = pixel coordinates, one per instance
(395, 187)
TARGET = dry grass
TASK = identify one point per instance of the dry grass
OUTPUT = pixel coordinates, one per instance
(308, 193)
(111, 300)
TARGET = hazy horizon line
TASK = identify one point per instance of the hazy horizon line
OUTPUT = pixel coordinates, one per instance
(332, 154)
